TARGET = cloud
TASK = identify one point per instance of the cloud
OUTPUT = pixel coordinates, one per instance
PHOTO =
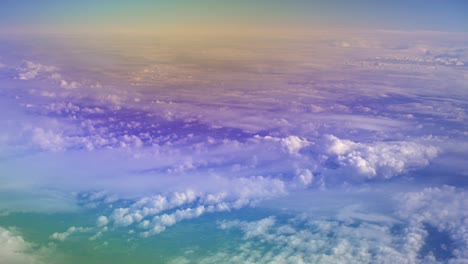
(102, 221)
(159, 157)
(15, 250)
(159, 223)
(443, 208)
(292, 144)
(48, 140)
(251, 229)
(356, 230)
(312, 241)
(304, 177)
(69, 85)
(149, 206)
(147, 212)
(70, 231)
(30, 70)
(379, 159)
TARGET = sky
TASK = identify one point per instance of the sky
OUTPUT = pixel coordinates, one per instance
(204, 16)
(233, 132)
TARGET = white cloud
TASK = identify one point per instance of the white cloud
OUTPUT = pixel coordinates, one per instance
(159, 223)
(70, 231)
(319, 241)
(379, 159)
(294, 144)
(180, 260)
(102, 221)
(55, 76)
(304, 177)
(233, 194)
(267, 241)
(251, 229)
(148, 206)
(69, 85)
(48, 140)
(358, 233)
(30, 70)
(48, 94)
(15, 250)
(134, 143)
(441, 207)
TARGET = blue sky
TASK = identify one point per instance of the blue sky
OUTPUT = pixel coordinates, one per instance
(66, 16)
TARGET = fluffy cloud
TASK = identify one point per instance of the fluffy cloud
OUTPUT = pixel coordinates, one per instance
(292, 144)
(177, 154)
(189, 204)
(443, 208)
(69, 85)
(48, 140)
(159, 223)
(251, 229)
(102, 221)
(305, 177)
(30, 70)
(70, 231)
(358, 233)
(379, 159)
(15, 250)
(313, 241)
(148, 206)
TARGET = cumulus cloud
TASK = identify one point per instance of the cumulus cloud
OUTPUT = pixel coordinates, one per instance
(147, 212)
(159, 223)
(178, 154)
(292, 144)
(379, 159)
(70, 231)
(15, 250)
(304, 177)
(251, 229)
(30, 70)
(69, 85)
(443, 208)
(312, 241)
(48, 140)
(102, 221)
(148, 206)
(359, 232)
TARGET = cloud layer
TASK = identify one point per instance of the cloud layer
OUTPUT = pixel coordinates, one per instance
(144, 141)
